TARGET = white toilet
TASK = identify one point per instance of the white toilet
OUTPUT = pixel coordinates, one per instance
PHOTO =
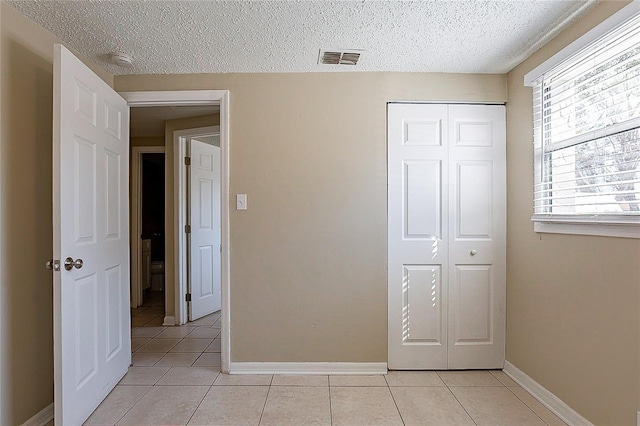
(157, 275)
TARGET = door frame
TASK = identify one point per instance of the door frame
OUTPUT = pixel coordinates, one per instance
(136, 218)
(179, 138)
(204, 97)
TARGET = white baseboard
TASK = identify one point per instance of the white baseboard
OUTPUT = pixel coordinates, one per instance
(42, 418)
(335, 368)
(546, 398)
(169, 321)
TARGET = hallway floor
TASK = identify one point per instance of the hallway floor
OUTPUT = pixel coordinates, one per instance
(151, 313)
(175, 379)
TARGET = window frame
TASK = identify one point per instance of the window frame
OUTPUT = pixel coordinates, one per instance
(611, 225)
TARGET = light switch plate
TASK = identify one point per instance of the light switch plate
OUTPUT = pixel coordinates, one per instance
(241, 201)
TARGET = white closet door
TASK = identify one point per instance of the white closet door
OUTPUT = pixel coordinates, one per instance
(477, 232)
(417, 236)
(446, 236)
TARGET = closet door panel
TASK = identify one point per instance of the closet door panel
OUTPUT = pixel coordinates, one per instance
(418, 235)
(477, 227)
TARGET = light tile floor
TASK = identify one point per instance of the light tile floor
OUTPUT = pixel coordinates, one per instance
(175, 379)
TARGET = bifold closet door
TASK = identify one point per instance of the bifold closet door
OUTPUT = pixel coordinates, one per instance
(418, 236)
(477, 236)
(446, 236)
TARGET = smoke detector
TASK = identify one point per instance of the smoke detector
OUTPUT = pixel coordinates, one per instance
(122, 60)
(339, 56)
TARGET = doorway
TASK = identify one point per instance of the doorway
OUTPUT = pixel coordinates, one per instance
(175, 314)
(148, 222)
(150, 129)
(153, 225)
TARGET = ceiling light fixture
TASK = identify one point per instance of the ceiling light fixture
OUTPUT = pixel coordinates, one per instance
(122, 60)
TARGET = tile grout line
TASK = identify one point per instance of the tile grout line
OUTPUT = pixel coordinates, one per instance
(201, 401)
(330, 403)
(265, 400)
(531, 409)
(393, 399)
(131, 408)
(456, 398)
(165, 373)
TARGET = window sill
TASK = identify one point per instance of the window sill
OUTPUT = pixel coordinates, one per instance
(595, 229)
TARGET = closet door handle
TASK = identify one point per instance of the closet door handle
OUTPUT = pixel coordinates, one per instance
(473, 252)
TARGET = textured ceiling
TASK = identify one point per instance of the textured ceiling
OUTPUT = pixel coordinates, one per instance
(168, 37)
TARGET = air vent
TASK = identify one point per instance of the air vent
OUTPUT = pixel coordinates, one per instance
(339, 57)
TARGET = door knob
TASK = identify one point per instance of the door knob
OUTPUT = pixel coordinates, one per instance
(53, 265)
(69, 263)
(473, 252)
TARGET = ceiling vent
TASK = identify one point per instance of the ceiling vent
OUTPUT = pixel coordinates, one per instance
(339, 56)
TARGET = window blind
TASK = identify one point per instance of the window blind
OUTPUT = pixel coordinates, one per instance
(586, 114)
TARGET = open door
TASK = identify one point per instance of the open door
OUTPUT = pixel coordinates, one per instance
(204, 221)
(92, 343)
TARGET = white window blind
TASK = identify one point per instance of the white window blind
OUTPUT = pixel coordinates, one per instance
(587, 133)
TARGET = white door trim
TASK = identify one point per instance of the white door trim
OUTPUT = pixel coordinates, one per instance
(179, 210)
(178, 98)
(136, 218)
(205, 97)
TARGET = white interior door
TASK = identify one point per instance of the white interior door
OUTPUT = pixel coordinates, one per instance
(446, 236)
(92, 342)
(418, 237)
(204, 220)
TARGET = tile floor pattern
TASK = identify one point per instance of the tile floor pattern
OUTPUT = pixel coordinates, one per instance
(175, 380)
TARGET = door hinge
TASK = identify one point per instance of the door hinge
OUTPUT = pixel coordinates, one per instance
(187, 161)
(188, 297)
(187, 229)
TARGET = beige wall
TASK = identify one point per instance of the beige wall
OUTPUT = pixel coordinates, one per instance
(308, 268)
(26, 235)
(573, 302)
(147, 141)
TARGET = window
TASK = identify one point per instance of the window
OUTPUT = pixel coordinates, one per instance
(587, 137)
